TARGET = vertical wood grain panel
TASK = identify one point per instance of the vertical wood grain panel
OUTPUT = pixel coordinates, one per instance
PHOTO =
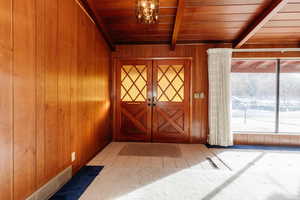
(6, 125)
(6, 24)
(93, 100)
(89, 89)
(51, 87)
(106, 87)
(96, 101)
(200, 107)
(24, 98)
(102, 82)
(66, 44)
(82, 54)
(6, 101)
(75, 140)
(41, 54)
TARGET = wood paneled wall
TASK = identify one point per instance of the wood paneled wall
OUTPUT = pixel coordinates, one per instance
(199, 115)
(54, 92)
(6, 98)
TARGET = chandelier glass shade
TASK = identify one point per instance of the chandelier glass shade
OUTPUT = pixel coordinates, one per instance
(147, 11)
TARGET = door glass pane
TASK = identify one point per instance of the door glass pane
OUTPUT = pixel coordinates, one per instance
(253, 84)
(134, 83)
(170, 83)
(289, 116)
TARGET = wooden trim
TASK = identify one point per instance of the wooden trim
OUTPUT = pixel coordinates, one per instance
(152, 58)
(97, 21)
(178, 19)
(181, 42)
(264, 133)
(266, 55)
(259, 22)
(266, 139)
(191, 98)
(116, 63)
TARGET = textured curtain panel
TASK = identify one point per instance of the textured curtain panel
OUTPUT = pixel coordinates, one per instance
(219, 68)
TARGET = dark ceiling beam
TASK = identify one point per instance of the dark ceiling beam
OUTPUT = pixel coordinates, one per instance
(177, 23)
(97, 21)
(274, 7)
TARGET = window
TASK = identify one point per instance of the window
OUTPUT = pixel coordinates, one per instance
(289, 115)
(170, 83)
(134, 83)
(265, 96)
(254, 95)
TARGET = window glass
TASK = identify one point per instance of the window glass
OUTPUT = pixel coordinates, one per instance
(253, 84)
(134, 83)
(170, 83)
(289, 115)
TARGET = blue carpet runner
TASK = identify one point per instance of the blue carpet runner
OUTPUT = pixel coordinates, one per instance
(75, 187)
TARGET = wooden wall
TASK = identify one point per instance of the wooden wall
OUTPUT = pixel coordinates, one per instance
(54, 92)
(199, 129)
(6, 98)
(199, 120)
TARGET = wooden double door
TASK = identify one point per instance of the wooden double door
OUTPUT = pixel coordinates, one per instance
(153, 100)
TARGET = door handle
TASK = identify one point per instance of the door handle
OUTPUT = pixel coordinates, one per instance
(154, 101)
(149, 101)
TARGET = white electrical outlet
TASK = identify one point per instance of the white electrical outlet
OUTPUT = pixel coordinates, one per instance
(73, 156)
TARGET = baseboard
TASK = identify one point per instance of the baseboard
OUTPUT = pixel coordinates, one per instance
(52, 186)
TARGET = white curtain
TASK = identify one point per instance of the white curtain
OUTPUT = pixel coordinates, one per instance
(219, 68)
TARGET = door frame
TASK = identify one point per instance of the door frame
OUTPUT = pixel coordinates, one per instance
(115, 63)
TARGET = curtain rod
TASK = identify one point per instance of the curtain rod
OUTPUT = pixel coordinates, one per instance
(282, 50)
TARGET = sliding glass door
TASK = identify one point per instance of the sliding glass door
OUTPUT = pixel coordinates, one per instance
(266, 96)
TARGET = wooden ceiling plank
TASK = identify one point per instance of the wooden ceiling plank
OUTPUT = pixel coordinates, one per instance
(97, 21)
(178, 20)
(259, 22)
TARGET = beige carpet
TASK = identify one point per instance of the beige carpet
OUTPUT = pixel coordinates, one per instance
(253, 174)
(153, 150)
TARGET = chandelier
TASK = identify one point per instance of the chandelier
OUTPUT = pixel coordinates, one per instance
(147, 11)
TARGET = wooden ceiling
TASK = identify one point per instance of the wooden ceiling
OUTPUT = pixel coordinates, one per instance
(190, 21)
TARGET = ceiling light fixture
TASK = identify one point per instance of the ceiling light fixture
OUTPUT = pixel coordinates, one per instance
(147, 11)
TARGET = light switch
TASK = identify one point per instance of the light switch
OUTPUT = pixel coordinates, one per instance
(196, 95)
(199, 95)
(202, 95)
